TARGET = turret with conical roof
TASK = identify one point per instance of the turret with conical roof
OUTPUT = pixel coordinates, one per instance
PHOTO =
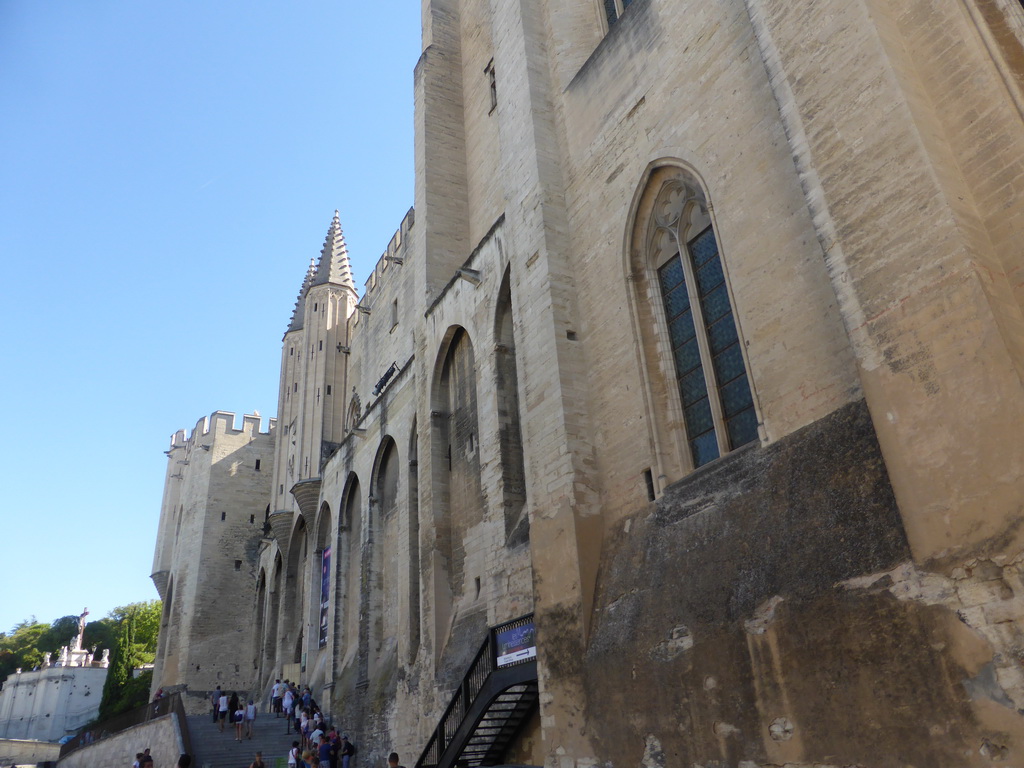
(299, 313)
(334, 265)
(314, 364)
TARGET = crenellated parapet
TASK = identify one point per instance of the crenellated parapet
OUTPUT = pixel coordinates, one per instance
(394, 256)
(178, 439)
(223, 423)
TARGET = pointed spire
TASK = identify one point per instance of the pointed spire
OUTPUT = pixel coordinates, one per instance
(300, 303)
(334, 266)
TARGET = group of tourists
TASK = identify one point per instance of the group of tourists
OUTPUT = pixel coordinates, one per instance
(242, 716)
(318, 744)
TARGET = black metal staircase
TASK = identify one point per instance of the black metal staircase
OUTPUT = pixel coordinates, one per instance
(491, 705)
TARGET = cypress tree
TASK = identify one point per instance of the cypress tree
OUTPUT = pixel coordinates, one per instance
(122, 663)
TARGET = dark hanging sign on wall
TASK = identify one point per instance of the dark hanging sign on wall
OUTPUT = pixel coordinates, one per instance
(325, 594)
(516, 644)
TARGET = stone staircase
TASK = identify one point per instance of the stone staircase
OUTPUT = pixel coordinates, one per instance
(214, 749)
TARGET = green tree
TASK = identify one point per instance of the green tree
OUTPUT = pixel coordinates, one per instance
(58, 634)
(123, 660)
(20, 647)
(147, 626)
(100, 634)
(137, 626)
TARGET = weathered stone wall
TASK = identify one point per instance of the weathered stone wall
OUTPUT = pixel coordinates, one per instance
(49, 703)
(758, 540)
(913, 246)
(20, 752)
(215, 526)
(843, 590)
(162, 736)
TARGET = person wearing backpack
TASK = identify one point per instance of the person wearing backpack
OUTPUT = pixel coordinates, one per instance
(348, 751)
(215, 701)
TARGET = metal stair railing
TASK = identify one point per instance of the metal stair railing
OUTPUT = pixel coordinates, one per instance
(484, 682)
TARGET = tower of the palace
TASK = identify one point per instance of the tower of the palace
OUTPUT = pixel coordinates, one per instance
(694, 377)
(311, 401)
(313, 353)
(211, 521)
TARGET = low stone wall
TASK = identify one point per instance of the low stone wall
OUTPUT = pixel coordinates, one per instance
(24, 752)
(161, 735)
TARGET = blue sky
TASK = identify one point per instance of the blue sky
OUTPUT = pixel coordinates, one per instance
(167, 170)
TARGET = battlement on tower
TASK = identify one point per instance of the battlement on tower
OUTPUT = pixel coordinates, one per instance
(394, 255)
(223, 423)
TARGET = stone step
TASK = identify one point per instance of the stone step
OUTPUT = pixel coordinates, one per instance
(214, 749)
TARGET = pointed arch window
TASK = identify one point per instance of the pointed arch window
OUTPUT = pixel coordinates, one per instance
(613, 9)
(707, 354)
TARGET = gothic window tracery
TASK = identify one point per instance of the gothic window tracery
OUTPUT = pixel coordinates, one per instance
(714, 392)
(613, 9)
(696, 368)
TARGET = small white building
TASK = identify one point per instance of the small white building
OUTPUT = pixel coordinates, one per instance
(56, 699)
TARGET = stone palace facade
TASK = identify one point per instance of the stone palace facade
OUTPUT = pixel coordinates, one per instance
(698, 358)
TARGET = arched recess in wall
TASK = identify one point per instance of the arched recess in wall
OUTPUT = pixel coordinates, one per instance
(382, 590)
(699, 399)
(164, 644)
(260, 635)
(413, 596)
(321, 586)
(455, 478)
(270, 644)
(510, 435)
(318, 591)
(349, 568)
(295, 606)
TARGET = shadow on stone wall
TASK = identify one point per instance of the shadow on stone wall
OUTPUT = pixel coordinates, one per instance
(723, 634)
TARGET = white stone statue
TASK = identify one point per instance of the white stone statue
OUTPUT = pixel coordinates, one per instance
(46, 661)
(81, 629)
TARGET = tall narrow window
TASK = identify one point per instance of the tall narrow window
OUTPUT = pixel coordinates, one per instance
(613, 9)
(702, 395)
(492, 84)
(718, 344)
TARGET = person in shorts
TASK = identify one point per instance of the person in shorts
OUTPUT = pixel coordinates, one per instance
(250, 717)
(276, 699)
(222, 710)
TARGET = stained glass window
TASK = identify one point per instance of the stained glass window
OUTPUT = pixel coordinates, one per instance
(614, 8)
(718, 370)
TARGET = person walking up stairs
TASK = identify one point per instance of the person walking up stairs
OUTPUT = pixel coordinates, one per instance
(216, 749)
